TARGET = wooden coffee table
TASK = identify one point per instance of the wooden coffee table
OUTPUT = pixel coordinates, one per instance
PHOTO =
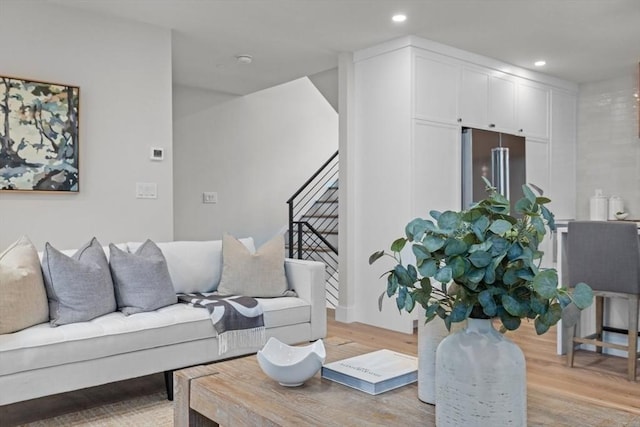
(237, 393)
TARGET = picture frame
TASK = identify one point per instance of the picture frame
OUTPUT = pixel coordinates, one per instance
(39, 136)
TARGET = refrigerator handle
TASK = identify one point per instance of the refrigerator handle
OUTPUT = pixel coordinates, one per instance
(500, 170)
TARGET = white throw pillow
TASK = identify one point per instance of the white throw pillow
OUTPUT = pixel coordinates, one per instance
(23, 299)
(194, 266)
(260, 274)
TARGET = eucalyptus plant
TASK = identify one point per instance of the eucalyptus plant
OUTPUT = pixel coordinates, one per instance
(481, 262)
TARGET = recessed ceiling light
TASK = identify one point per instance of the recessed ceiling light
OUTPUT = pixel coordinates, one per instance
(244, 59)
(540, 63)
(399, 18)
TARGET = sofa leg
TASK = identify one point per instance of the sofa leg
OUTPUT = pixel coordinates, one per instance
(168, 382)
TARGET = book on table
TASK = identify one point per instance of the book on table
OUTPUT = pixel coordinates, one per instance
(374, 372)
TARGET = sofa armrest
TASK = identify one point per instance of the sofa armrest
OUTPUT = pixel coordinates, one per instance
(307, 278)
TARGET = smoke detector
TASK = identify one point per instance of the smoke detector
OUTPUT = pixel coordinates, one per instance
(244, 59)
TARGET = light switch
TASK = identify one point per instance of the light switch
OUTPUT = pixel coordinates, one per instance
(209, 197)
(146, 190)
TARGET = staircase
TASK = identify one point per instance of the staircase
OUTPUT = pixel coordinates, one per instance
(313, 224)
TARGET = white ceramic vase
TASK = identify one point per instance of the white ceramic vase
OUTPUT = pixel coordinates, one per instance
(480, 379)
(429, 337)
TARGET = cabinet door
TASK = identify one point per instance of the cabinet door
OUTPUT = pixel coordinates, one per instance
(436, 89)
(502, 98)
(563, 155)
(437, 168)
(473, 99)
(533, 110)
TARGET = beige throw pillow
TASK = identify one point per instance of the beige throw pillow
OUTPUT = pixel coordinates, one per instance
(24, 299)
(254, 275)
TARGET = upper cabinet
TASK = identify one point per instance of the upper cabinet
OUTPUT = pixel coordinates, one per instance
(451, 91)
(436, 88)
(532, 111)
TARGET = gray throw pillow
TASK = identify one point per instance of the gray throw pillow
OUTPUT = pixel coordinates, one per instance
(253, 275)
(141, 280)
(79, 288)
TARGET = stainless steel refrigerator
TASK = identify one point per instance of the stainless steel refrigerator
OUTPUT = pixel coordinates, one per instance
(499, 157)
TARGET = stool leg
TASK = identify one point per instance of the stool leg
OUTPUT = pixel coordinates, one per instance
(599, 321)
(632, 354)
(570, 333)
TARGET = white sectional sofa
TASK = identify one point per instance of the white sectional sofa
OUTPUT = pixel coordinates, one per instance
(42, 360)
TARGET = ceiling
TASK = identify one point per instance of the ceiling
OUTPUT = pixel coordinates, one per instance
(581, 40)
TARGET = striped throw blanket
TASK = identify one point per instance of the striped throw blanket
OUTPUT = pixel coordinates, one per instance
(238, 320)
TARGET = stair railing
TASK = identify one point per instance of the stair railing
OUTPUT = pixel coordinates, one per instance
(303, 199)
(313, 217)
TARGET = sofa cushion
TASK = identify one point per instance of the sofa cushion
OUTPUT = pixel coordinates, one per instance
(260, 274)
(79, 288)
(23, 300)
(141, 280)
(194, 266)
(41, 346)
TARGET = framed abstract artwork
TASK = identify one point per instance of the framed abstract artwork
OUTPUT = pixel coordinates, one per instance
(38, 136)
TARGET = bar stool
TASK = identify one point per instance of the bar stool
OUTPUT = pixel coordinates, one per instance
(606, 256)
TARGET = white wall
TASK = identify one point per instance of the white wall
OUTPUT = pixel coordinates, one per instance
(608, 149)
(254, 151)
(124, 74)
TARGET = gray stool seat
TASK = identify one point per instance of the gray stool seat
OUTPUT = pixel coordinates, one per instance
(606, 256)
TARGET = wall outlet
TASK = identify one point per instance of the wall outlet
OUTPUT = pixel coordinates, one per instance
(209, 197)
(146, 190)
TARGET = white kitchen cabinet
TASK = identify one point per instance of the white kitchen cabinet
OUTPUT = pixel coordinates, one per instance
(487, 100)
(436, 88)
(502, 102)
(563, 154)
(532, 110)
(473, 98)
(437, 168)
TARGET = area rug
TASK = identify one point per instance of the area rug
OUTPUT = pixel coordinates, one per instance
(153, 410)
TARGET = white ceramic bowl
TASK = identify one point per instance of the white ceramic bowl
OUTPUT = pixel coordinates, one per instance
(622, 215)
(291, 366)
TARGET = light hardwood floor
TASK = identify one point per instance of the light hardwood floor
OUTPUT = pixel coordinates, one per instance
(595, 380)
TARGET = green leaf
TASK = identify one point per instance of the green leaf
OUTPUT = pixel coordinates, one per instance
(449, 220)
(457, 266)
(480, 259)
(523, 206)
(392, 284)
(513, 306)
(400, 299)
(435, 214)
(460, 311)
(510, 322)
(548, 216)
(582, 295)
(484, 246)
(499, 245)
(433, 243)
(444, 275)
(500, 226)
(455, 247)
(428, 268)
(475, 275)
(542, 200)
(398, 244)
(420, 252)
(545, 283)
(488, 304)
(541, 326)
(417, 227)
(375, 256)
(514, 252)
(528, 193)
(403, 276)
